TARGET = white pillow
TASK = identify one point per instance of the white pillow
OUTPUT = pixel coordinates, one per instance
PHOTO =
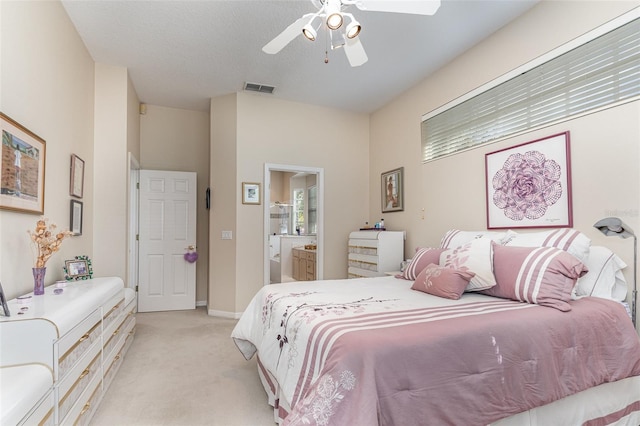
(456, 238)
(605, 278)
(570, 240)
(475, 256)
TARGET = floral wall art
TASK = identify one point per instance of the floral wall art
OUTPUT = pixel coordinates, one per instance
(529, 185)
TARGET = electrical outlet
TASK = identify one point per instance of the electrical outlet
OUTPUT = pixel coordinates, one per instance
(227, 235)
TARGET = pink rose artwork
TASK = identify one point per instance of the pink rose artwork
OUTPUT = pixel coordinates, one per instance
(526, 185)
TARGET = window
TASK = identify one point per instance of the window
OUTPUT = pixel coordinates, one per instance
(599, 73)
(298, 209)
(313, 210)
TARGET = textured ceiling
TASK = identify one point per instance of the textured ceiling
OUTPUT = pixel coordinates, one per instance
(182, 53)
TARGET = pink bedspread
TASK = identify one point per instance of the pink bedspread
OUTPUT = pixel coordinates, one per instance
(380, 353)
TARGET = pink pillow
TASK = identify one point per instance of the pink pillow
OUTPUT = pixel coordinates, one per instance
(538, 275)
(442, 281)
(423, 257)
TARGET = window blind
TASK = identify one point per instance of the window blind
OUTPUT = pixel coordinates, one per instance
(602, 72)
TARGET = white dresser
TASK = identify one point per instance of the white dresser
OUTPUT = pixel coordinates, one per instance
(59, 356)
(372, 253)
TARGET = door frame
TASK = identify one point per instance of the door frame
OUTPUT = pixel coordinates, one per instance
(134, 220)
(319, 172)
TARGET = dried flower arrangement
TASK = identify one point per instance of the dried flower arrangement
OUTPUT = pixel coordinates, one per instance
(46, 240)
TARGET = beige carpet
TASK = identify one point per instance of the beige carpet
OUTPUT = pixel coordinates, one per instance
(184, 369)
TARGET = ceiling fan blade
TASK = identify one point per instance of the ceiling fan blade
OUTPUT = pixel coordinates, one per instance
(416, 7)
(286, 36)
(355, 52)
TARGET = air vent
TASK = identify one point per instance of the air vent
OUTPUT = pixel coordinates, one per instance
(253, 87)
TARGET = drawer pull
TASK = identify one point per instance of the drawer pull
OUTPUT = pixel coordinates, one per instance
(117, 357)
(86, 408)
(112, 309)
(83, 338)
(116, 332)
(84, 373)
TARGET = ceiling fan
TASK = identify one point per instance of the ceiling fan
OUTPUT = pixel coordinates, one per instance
(342, 28)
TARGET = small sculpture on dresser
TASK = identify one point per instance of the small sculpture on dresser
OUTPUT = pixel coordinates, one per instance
(46, 241)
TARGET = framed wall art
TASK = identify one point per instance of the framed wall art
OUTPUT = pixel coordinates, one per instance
(22, 171)
(250, 193)
(392, 190)
(529, 185)
(76, 184)
(75, 219)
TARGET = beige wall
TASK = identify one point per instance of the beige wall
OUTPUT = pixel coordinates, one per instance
(110, 171)
(274, 131)
(46, 84)
(178, 140)
(224, 196)
(452, 190)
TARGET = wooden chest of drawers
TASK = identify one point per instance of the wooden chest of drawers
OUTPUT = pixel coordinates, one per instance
(304, 264)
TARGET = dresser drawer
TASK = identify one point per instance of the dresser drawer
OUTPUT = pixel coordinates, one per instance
(83, 409)
(72, 346)
(112, 310)
(111, 340)
(354, 272)
(112, 363)
(363, 244)
(361, 261)
(70, 390)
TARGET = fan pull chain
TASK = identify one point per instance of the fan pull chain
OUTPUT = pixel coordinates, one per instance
(326, 45)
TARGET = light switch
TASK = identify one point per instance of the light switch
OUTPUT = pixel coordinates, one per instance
(227, 235)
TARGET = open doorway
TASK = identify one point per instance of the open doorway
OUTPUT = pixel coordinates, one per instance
(293, 222)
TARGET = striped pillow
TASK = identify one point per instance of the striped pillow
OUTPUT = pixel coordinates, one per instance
(537, 275)
(457, 238)
(423, 257)
(570, 240)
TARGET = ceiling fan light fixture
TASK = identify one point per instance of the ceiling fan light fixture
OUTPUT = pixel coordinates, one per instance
(334, 16)
(353, 29)
(334, 20)
(309, 32)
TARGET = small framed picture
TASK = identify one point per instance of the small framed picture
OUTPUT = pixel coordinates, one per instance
(78, 268)
(392, 190)
(3, 301)
(75, 221)
(76, 185)
(250, 193)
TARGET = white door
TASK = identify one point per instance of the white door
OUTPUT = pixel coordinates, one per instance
(167, 231)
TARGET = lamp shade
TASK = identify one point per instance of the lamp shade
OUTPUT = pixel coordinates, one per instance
(613, 226)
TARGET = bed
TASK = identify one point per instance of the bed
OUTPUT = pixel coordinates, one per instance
(387, 351)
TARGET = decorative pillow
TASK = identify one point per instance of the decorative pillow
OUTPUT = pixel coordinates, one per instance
(442, 282)
(570, 240)
(423, 257)
(456, 238)
(475, 256)
(537, 275)
(605, 278)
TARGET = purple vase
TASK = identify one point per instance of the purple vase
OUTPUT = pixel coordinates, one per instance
(38, 280)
